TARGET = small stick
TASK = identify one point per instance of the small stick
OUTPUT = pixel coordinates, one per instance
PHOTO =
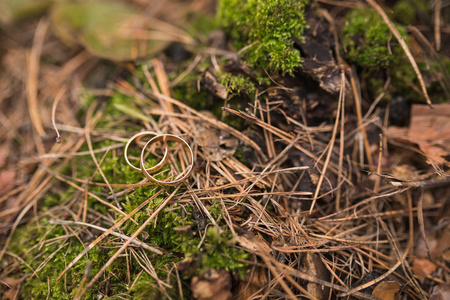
(306, 277)
(365, 201)
(202, 206)
(189, 69)
(411, 220)
(388, 214)
(55, 104)
(437, 24)
(421, 223)
(286, 137)
(376, 188)
(341, 159)
(426, 184)
(33, 65)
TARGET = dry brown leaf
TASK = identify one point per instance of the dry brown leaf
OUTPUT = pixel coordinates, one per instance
(10, 288)
(446, 255)
(434, 154)
(7, 179)
(252, 285)
(405, 172)
(422, 267)
(443, 242)
(421, 249)
(386, 290)
(116, 30)
(430, 130)
(253, 243)
(216, 145)
(213, 285)
(4, 154)
(440, 292)
(429, 124)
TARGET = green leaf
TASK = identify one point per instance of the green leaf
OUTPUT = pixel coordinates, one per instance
(109, 29)
(15, 10)
(131, 111)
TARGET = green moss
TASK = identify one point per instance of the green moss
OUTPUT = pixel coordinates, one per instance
(64, 249)
(216, 210)
(201, 24)
(216, 251)
(60, 247)
(372, 48)
(209, 246)
(189, 93)
(368, 41)
(241, 92)
(406, 11)
(403, 77)
(239, 154)
(238, 84)
(268, 28)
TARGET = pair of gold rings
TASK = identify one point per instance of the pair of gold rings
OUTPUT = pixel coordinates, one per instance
(161, 138)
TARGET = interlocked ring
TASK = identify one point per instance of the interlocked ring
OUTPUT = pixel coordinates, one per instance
(164, 138)
(140, 135)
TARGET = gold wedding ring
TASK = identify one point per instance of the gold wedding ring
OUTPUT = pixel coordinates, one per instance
(166, 138)
(138, 136)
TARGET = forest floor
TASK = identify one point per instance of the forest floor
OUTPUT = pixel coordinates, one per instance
(326, 180)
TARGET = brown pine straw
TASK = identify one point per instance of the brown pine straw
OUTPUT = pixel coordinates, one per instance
(58, 97)
(33, 59)
(437, 23)
(356, 235)
(357, 97)
(135, 241)
(105, 234)
(341, 103)
(214, 122)
(36, 188)
(285, 137)
(89, 193)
